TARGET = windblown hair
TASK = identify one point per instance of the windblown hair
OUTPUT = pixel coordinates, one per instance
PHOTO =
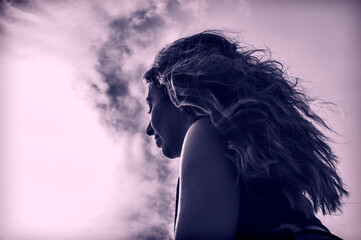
(267, 121)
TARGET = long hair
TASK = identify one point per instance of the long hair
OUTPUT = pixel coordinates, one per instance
(266, 119)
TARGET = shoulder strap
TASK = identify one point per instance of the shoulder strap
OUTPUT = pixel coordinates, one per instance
(176, 205)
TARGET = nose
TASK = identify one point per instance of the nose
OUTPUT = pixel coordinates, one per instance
(149, 130)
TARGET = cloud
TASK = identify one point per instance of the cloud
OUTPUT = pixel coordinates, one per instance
(129, 35)
(101, 51)
(120, 69)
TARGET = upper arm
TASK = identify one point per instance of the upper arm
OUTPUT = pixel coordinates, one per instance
(208, 203)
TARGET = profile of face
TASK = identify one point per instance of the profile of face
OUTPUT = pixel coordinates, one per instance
(168, 124)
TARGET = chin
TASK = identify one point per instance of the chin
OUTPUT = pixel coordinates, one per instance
(169, 154)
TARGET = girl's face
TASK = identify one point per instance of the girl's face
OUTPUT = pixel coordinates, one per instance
(168, 124)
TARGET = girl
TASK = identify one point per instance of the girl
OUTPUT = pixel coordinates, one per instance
(253, 163)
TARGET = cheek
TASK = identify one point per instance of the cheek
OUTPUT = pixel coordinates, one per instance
(157, 120)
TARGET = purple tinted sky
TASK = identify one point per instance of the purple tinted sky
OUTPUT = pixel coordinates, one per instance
(77, 165)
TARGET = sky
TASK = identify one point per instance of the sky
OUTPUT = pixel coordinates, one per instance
(75, 162)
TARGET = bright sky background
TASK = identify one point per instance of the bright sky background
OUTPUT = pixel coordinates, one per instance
(76, 166)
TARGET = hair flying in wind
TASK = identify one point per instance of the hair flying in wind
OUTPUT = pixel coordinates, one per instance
(266, 119)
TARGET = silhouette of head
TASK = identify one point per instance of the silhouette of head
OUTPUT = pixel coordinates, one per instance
(265, 118)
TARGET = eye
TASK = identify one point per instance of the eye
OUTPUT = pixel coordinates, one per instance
(149, 105)
(150, 109)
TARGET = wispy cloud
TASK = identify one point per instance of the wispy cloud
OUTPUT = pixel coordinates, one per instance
(101, 49)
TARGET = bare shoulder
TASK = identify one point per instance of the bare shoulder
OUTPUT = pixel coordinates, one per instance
(202, 136)
(209, 205)
(203, 159)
